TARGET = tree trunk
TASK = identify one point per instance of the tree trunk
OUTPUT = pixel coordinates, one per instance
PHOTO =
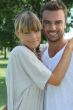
(5, 53)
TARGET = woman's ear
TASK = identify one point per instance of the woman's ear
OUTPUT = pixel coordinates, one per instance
(17, 34)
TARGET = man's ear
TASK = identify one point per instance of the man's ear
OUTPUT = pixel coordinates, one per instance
(65, 26)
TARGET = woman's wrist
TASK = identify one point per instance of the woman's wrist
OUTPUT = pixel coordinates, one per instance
(69, 46)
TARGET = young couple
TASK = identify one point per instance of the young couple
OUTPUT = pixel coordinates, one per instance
(27, 77)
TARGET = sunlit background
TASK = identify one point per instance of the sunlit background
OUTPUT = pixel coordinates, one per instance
(70, 33)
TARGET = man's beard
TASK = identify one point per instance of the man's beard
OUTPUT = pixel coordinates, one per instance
(58, 37)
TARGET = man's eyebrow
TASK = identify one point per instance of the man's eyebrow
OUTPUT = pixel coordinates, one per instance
(49, 21)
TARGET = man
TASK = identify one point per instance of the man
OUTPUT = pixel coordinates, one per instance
(54, 16)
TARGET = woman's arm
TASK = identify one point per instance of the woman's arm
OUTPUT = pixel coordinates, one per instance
(60, 70)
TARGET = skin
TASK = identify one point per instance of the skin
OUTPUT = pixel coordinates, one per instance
(54, 24)
(31, 39)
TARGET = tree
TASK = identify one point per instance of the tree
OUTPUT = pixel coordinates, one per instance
(8, 10)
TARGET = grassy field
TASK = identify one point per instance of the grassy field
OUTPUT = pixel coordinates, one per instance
(3, 95)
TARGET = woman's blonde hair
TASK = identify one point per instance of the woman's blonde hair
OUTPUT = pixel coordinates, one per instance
(26, 22)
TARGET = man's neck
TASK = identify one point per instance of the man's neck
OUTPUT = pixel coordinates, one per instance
(54, 47)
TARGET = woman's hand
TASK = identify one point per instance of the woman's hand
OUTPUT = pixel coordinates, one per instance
(70, 44)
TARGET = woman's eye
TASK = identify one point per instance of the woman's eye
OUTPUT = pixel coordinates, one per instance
(26, 33)
(38, 31)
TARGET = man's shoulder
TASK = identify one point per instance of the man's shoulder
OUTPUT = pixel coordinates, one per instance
(43, 47)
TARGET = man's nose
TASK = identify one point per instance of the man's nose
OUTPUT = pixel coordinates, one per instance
(53, 26)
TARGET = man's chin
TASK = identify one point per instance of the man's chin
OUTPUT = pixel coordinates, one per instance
(53, 40)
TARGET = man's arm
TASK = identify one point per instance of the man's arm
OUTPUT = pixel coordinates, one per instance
(60, 70)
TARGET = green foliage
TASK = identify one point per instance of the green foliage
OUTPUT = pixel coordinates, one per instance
(69, 4)
(8, 10)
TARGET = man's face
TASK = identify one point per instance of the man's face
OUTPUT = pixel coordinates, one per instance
(53, 24)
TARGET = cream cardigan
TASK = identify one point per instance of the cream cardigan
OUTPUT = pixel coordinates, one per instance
(26, 78)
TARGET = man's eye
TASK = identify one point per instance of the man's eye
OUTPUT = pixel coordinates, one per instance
(46, 22)
(58, 22)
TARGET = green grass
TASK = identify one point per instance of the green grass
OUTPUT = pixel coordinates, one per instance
(3, 94)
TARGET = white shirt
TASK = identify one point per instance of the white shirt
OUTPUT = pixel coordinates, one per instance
(26, 78)
(58, 97)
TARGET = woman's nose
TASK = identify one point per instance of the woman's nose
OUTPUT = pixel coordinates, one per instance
(33, 34)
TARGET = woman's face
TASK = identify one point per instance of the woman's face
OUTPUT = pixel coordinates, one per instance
(31, 39)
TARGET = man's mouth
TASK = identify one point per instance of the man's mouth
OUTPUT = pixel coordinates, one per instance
(52, 33)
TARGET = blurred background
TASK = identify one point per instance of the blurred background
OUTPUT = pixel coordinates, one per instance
(8, 40)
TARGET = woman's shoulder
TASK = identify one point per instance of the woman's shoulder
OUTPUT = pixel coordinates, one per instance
(17, 51)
